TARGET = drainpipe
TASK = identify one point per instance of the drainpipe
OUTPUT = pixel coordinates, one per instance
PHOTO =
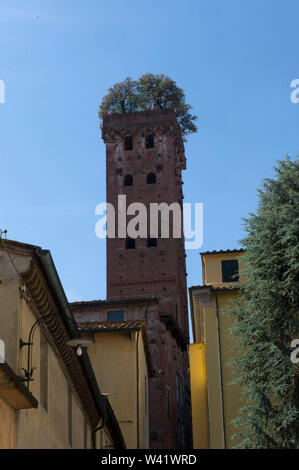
(94, 431)
(220, 371)
(147, 306)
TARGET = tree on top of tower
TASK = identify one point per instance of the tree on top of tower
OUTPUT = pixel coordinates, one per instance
(148, 93)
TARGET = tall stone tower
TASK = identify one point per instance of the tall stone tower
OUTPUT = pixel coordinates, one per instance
(144, 161)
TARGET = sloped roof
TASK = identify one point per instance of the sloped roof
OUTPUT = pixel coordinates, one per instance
(125, 325)
(111, 325)
(115, 301)
(218, 252)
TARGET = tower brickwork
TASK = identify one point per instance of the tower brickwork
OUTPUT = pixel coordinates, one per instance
(144, 162)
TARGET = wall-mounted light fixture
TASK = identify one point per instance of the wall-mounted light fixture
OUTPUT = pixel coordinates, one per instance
(77, 343)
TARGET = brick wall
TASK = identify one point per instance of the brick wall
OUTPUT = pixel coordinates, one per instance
(159, 271)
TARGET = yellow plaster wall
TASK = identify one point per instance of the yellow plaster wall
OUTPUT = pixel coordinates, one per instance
(231, 392)
(212, 273)
(213, 376)
(34, 428)
(9, 319)
(199, 396)
(207, 322)
(113, 357)
(41, 428)
(143, 396)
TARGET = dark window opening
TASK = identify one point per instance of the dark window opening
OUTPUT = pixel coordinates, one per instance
(149, 142)
(128, 181)
(151, 178)
(128, 143)
(130, 243)
(116, 316)
(85, 435)
(151, 242)
(230, 270)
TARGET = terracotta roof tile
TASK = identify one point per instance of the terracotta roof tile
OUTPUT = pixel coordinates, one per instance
(111, 325)
(215, 252)
(95, 326)
(115, 301)
(233, 286)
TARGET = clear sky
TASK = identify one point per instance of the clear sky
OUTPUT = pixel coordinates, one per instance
(234, 59)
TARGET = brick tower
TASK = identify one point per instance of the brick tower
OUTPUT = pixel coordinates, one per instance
(144, 161)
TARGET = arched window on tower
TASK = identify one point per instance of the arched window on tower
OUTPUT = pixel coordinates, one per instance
(151, 178)
(128, 143)
(128, 180)
(149, 142)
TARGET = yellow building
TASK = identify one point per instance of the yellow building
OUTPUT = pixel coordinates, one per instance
(49, 397)
(120, 357)
(215, 401)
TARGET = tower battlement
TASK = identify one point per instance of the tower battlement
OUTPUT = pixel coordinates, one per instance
(138, 118)
(160, 122)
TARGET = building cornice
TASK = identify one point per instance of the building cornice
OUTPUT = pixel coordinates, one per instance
(58, 332)
(13, 390)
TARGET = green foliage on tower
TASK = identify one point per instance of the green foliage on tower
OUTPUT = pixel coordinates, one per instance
(266, 320)
(148, 93)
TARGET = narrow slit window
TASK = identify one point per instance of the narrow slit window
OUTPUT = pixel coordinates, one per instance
(130, 243)
(85, 430)
(149, 142)
(151, 178)
(151, 242)
(128, 181)
(128, 143)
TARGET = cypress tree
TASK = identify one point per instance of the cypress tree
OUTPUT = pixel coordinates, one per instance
(266, 318)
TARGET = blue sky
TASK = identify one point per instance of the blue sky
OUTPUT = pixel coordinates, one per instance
(234, 59)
